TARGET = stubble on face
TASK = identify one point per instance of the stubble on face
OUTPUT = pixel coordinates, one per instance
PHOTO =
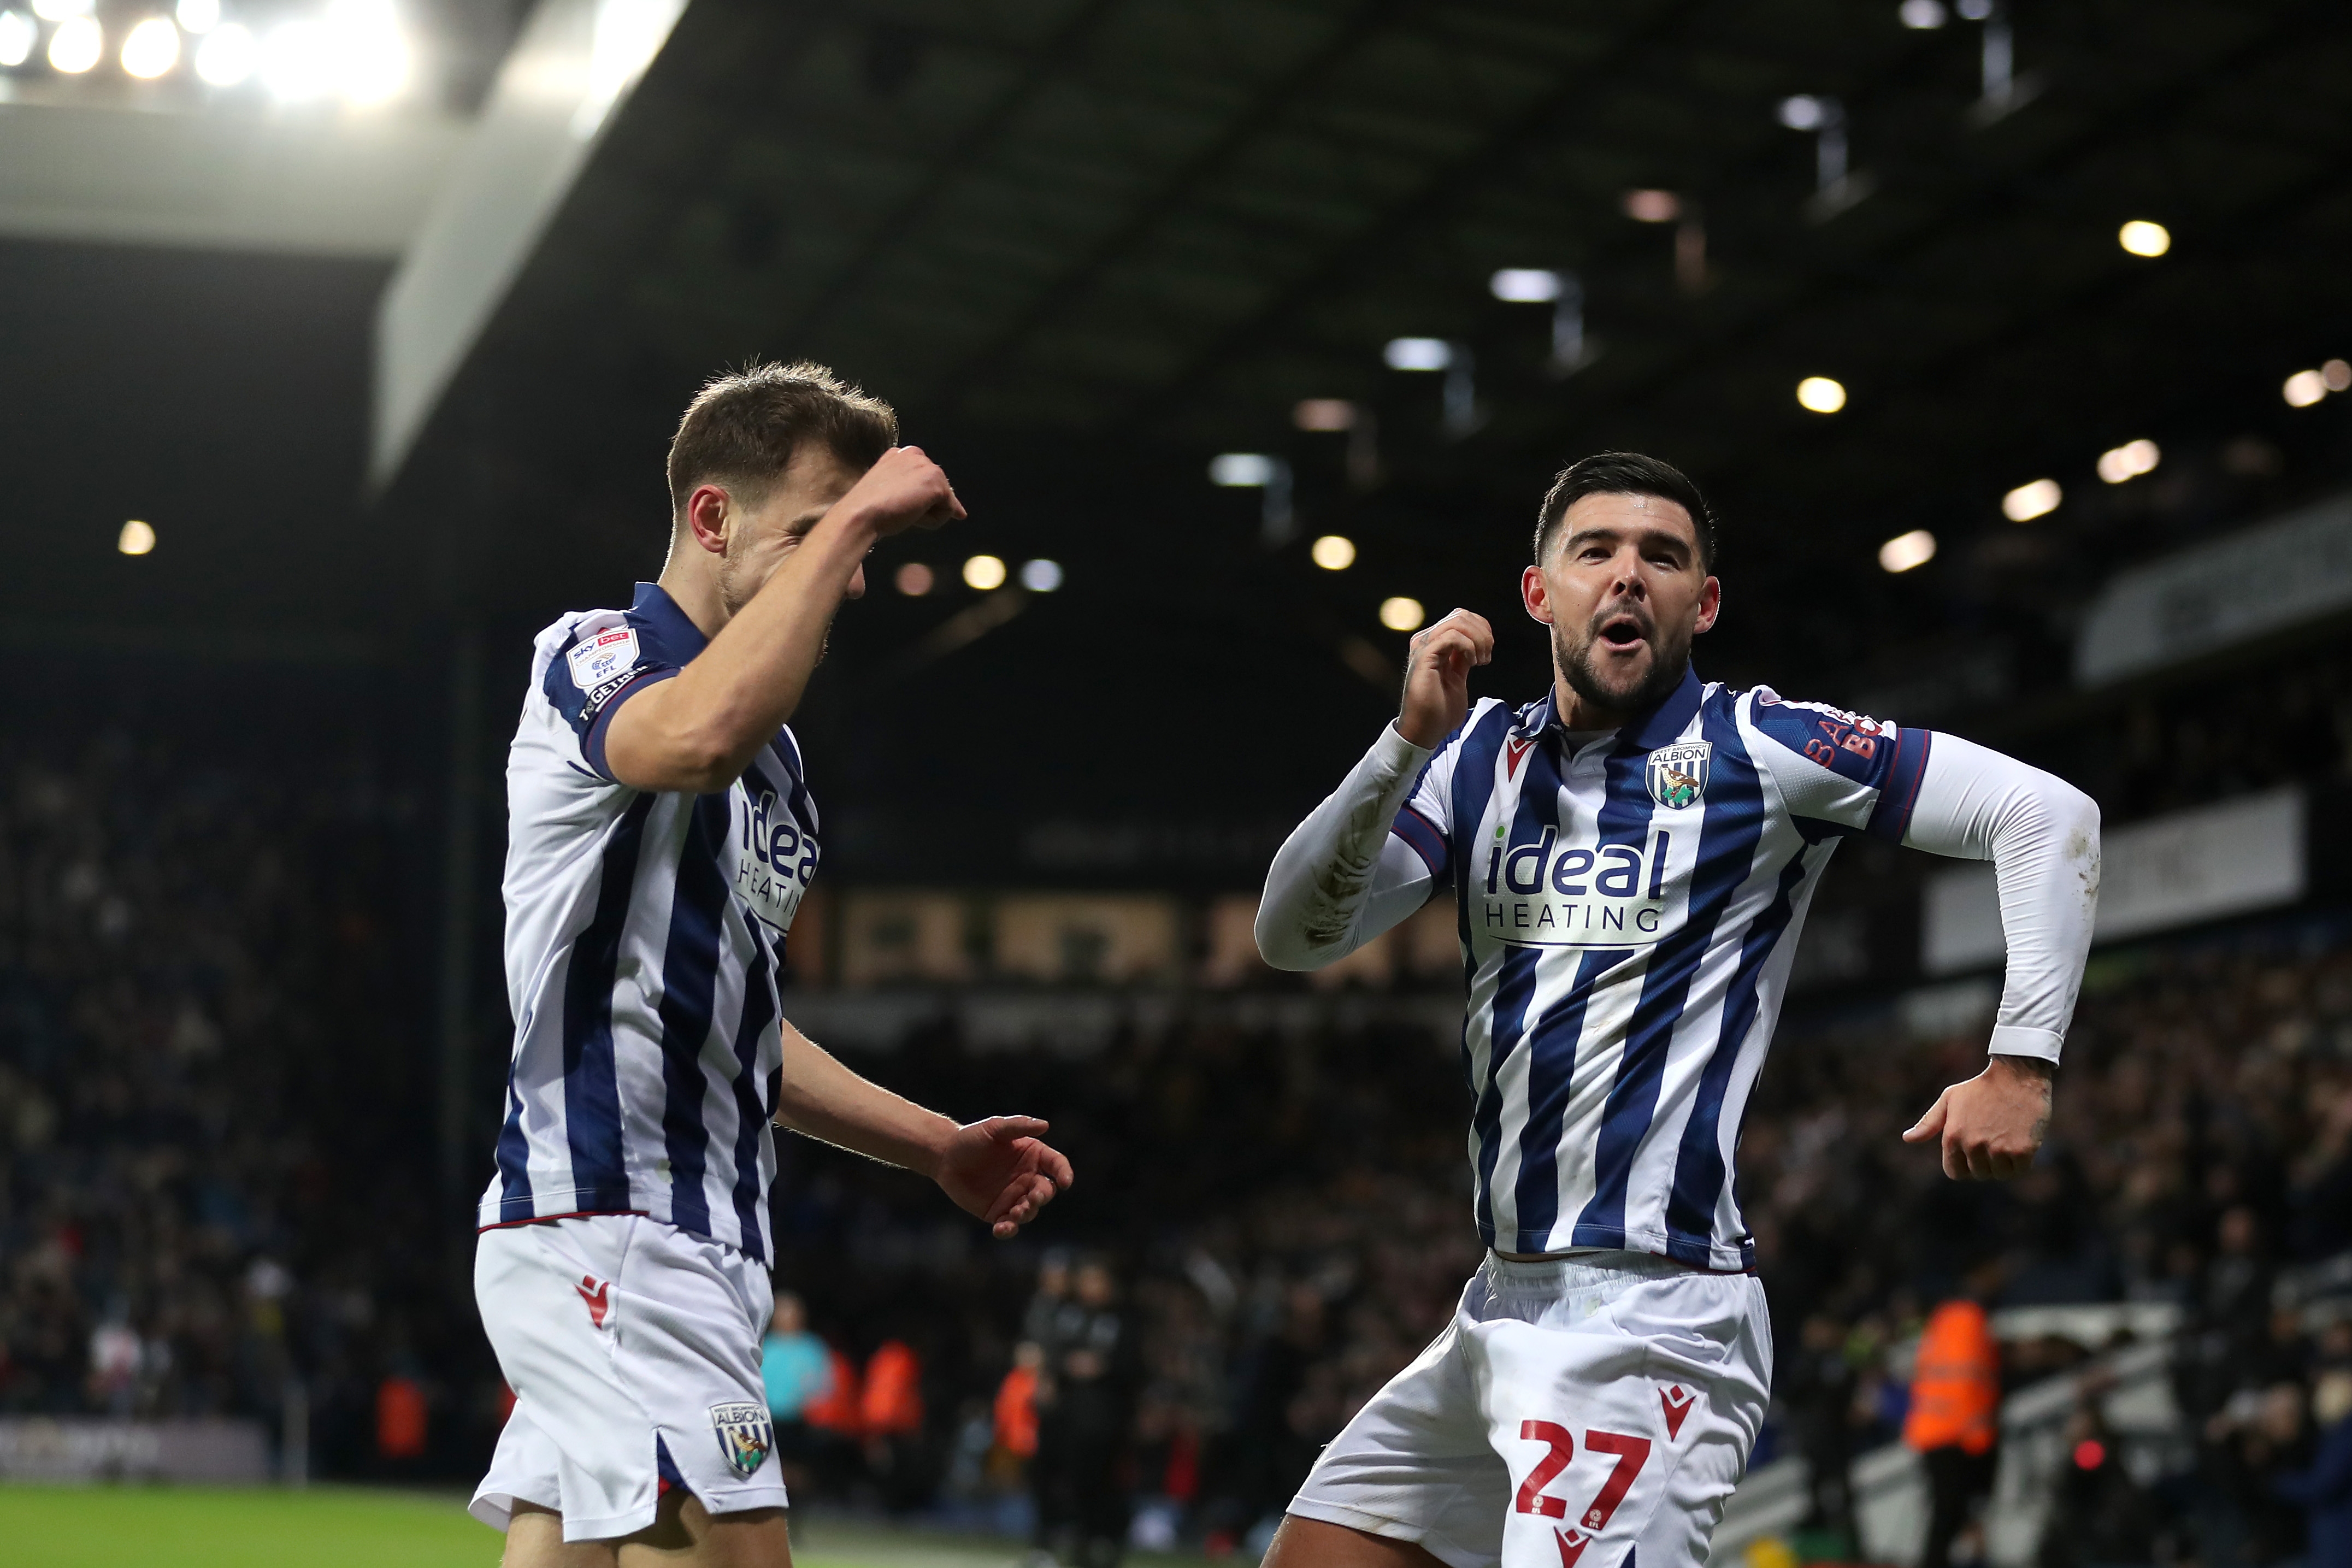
(1669, 654)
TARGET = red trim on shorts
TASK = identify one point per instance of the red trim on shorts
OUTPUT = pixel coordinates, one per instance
(545, 1218)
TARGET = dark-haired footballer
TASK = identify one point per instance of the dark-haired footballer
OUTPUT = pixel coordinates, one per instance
(1631, 855)
(661, 838)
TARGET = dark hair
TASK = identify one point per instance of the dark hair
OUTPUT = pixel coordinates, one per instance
(742, 428)
(1626, 474)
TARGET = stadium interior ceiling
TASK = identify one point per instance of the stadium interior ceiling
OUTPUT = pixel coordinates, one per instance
(1085, 245)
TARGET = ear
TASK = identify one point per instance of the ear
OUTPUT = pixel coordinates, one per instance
(708, 511)
(1536, 594)
(1710, 605)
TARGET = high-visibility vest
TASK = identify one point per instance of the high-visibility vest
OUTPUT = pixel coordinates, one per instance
(1016, 1412)
(894, 1394)
(836, 1409)
(1956, 1383)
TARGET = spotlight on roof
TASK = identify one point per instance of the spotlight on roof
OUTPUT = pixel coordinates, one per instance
(1417, 353)
(1922, 16)
(2029, 501)
(1333, 553)
(137, 538)
(229, 56)
(1652, 206)
(1821, 395)
(2142, 237)
(1803, 111)
(2337, 374)
(2304, 388)
(1402, 615)
(914, 579)
(152, 48)
(198, 15)
(60, 10)
(1906, 550)
(18, 34)
(983, 572)
(76, 45)
(1241, 470)
(2128, 461)
(1526, 284)
(1323, 413)
(1041, 577)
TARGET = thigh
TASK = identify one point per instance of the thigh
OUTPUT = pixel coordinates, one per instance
(1303, 1542)
(535, 1540)
(687, 1533)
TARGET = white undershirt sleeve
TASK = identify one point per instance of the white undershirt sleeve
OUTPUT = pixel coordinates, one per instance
(2041, 834)
(1342, 879)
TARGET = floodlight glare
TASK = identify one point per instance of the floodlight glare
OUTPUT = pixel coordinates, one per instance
(913, 579)
(1401, 613)
(2337, 374)
(1652, 206)
(1976, 10)
(2029, 501)
(1821, 395)
(2142, 237)
(152, 48)
(367, 54)
(2304, 388)
(76, 45)
(1922, 16)
(1417, 353)
(229, 56)
(1240, 470)
(296, 62)
(983, 572)
(18, 34)
(2128, 461)
(1802, 111)
(1526, 284)
(62, 10)
(136, 538)
(1906, 550)
(1323, 413)
(1041, 577)
(198, 15)
(1333, 553)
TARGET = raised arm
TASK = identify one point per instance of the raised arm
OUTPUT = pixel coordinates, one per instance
(2042, 835)
(699, 730)
(997, 1169)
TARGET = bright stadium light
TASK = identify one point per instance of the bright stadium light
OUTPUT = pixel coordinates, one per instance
(198, 17)
(2142, 237)
(1041, 577)
(1526, 284)
(18, 34)
(136, 538)
(229, 56)
(1803, 111)
(1323, 413)
(1402, 615)
(1240, 470)
(295, 61)
(152, 48)
(1821, 395)
(1906, 550)
(2304, 388)
(76, 45)
(62, 10)
(1333, 553)
(368, 53)
(1922, 16)
(983, 572)
(1652, 206)
(2128, 461)
(913, 579)
(1417, 353)
(2337, 374)
(2029, 501)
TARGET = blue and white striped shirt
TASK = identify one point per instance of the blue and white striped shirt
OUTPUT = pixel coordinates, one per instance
(644, 936)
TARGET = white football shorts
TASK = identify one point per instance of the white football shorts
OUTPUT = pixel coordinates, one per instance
(1590, 1412)
(634, 1351)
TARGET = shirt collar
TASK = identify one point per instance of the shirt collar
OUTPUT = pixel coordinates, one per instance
(671, 636)
(1659, 726)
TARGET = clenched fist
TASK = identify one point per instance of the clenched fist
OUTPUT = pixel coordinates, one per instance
(1437, 676)
(905, 490)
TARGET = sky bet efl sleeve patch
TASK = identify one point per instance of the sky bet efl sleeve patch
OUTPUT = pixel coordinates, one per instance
(603, 657)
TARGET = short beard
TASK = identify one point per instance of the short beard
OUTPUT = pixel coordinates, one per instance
(1576, 667)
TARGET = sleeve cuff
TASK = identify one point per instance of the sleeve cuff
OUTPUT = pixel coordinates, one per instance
(2017, 1041)
(1395, 751)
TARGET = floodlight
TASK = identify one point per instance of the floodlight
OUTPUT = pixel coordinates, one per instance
(367, 53)
(1402, 615)
(1333, 553)
(296, 62)
(229, 56)
(76, 45)
(1652, 206)
(18, 34)
(1922, 16)
(913, 579)
(2128, 461)
(1803, 111)
(1323, 413)
(1975, 10)
(1906, 550)
(198, 15)
(2142, 237)
(1417, 353)
(983, 572)
(152, 48)
(1526, 284)
(136, 538)
(1240, 470)
(1821, 395)
(62, 10)
(2029, 501)
(1041, 577)
(2304, 388)
(2337, 374)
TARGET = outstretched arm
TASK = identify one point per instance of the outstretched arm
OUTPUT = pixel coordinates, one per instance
(2042, 835)
(1339, 879)
(997, 1169)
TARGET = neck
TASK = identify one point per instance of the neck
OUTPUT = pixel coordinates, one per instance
(1576, 713)
(693, 583)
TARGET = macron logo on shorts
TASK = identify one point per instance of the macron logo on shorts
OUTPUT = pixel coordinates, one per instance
(598, 1303)
(1678, 1401)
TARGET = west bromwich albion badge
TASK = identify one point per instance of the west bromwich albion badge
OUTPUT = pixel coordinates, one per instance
(747, 1435)
(1677, 774)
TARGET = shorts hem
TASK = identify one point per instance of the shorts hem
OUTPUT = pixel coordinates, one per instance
(1437, 1546)
(741, 1499)
(496, 1508)
(612, 1527)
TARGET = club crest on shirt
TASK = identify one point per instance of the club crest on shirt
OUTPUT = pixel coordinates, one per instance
(747, 1436)
(1677, 774)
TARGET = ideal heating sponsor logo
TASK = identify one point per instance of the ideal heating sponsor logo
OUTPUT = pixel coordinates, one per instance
(1555, 894)
(774, 857)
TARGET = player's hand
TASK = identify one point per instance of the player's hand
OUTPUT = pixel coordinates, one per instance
(1992, 1125)
(905, 490)
(1437, 676)
(998, 1170)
